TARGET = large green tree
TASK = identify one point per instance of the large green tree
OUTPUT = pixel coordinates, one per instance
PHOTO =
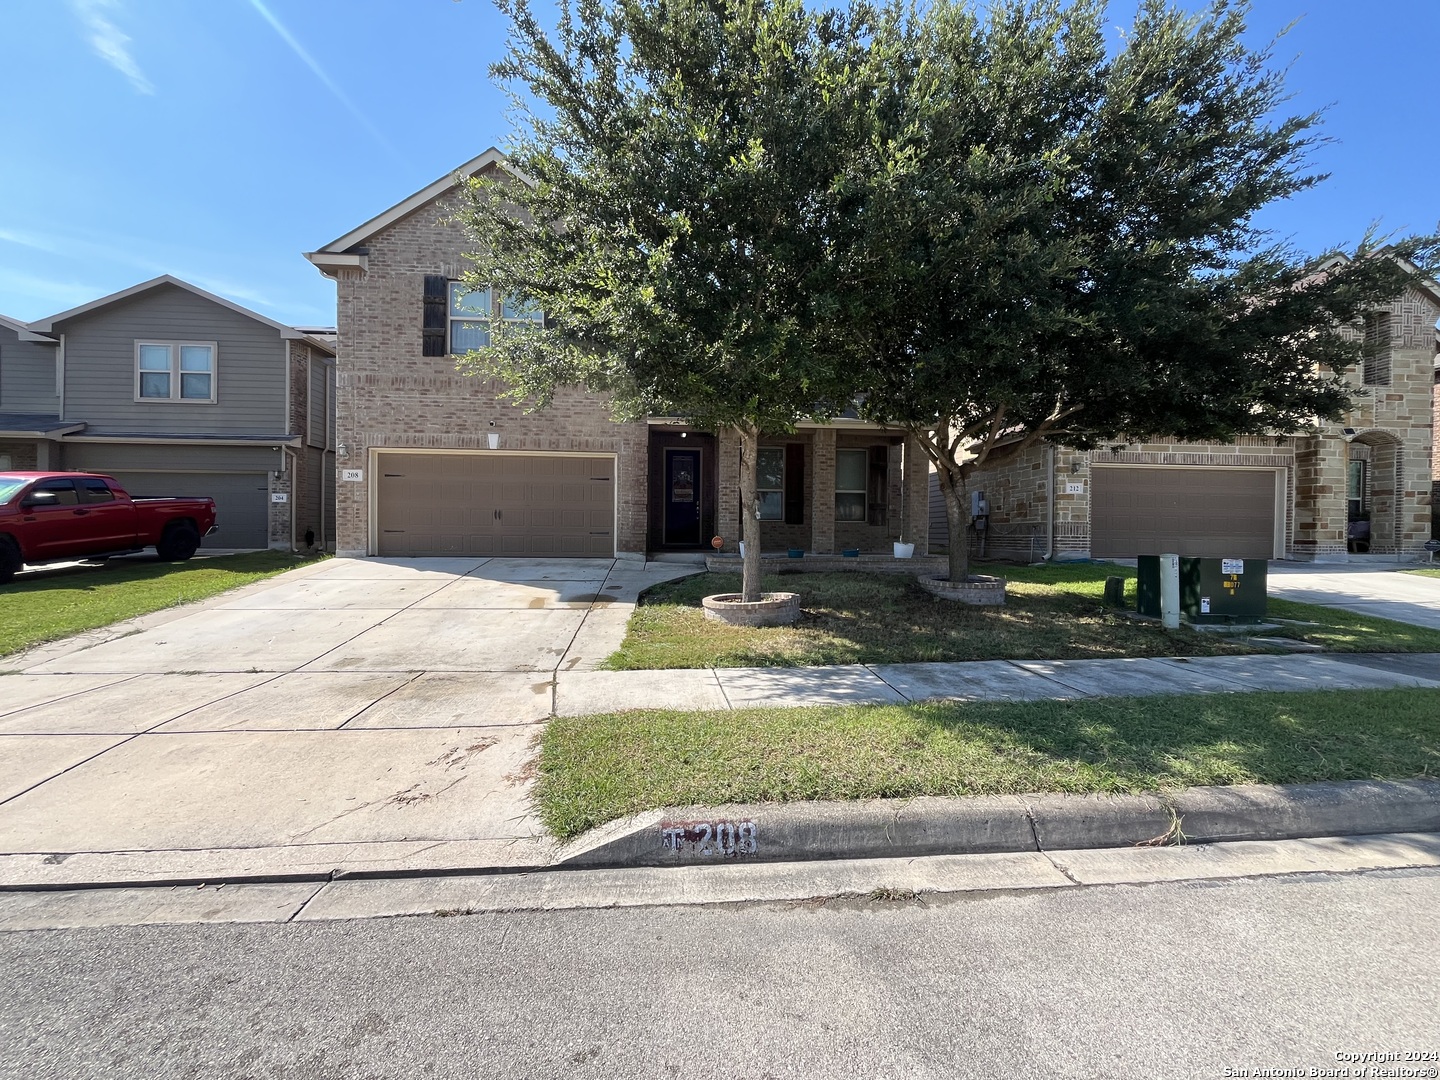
(1062, 242)
(683, 205)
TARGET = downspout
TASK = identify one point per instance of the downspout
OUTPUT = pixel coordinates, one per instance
(294, 461)
(321, 538)
(1050, 502)
(60, 375)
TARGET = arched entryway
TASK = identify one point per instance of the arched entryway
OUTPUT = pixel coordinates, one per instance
(1373, 472)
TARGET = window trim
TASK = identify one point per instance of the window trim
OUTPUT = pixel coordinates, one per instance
(175, 346)
(777, 449)
(496, 313)
(863, 492)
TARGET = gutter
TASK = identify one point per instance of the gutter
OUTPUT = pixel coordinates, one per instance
(145, 440)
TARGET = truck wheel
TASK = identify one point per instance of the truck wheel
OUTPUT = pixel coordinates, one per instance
(178, 542)
(10, 560)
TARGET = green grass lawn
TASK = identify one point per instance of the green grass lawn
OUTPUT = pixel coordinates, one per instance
(594, 769)
(1051, 613)
(59, 603)
(1426, 572)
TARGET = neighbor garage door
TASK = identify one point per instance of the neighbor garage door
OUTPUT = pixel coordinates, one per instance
(495, 504)
(1199, 512)
(242, 501)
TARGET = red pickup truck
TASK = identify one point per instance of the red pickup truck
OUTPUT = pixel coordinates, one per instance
(48, 517)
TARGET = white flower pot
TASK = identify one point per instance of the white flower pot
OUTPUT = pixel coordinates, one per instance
(904, 551)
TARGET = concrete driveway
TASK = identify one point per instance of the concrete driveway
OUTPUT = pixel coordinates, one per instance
(360, 713)
(1363, 588)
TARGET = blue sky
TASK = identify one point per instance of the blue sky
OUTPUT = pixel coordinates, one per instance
(218, 139)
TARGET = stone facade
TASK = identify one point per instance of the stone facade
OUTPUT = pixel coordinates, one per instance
(1390, 431)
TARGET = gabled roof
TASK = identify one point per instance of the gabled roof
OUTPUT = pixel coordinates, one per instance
(25, 331)
(155, 283)
(1425, 285)
(341, 246)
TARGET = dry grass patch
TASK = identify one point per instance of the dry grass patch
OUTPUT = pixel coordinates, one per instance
(1052, 613)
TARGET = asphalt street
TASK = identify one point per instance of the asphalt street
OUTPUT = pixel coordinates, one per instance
(1166, 980)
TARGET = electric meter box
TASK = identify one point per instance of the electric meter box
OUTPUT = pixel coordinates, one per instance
(1211, 590)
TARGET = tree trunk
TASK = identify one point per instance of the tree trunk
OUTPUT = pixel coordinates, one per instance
(749, 513)
(952, 486)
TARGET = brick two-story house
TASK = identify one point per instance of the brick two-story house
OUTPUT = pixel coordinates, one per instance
(175, 391)
(433, 463)
(1360, 486)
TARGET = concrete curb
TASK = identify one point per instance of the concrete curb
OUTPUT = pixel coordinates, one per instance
(893, 828)
(912, 828)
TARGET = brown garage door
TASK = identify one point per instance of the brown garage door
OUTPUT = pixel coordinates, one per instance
(1202, 513)
(495, 504)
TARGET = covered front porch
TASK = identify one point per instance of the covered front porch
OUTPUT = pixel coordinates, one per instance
(823, 490)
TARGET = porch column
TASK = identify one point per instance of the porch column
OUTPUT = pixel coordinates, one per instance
(727, 488)
(1320, 517)
(42, 455)
(917, 496)
(822, 493)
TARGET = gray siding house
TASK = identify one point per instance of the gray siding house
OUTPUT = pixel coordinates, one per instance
(29, 397)
(175, 391)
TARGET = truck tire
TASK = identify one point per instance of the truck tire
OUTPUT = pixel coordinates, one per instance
(178, 542)
(10, 560)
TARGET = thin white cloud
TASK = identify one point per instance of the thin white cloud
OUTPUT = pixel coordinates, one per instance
(121, 252)
(320, 73)
(110, 43)
(50, 295)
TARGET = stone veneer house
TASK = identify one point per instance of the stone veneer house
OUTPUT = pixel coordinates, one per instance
(433, 463)
(175, 391)
(1282, 497)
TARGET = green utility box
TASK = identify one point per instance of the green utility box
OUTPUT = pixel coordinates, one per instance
(1211, 590)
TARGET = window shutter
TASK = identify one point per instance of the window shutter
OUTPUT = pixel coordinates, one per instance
(437, 306)
(794, 483)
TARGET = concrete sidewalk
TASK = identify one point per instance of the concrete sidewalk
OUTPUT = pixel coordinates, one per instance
(582, 693)
(379, 717)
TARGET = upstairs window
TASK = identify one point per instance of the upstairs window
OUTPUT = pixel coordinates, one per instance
(458, 318)
(175, 371)
(1377, 349)
(470, 312)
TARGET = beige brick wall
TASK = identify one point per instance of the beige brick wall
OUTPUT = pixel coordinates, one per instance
(1018, 489)
(820, 533)
(22, 455)
(388, 395)
(862, 535)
